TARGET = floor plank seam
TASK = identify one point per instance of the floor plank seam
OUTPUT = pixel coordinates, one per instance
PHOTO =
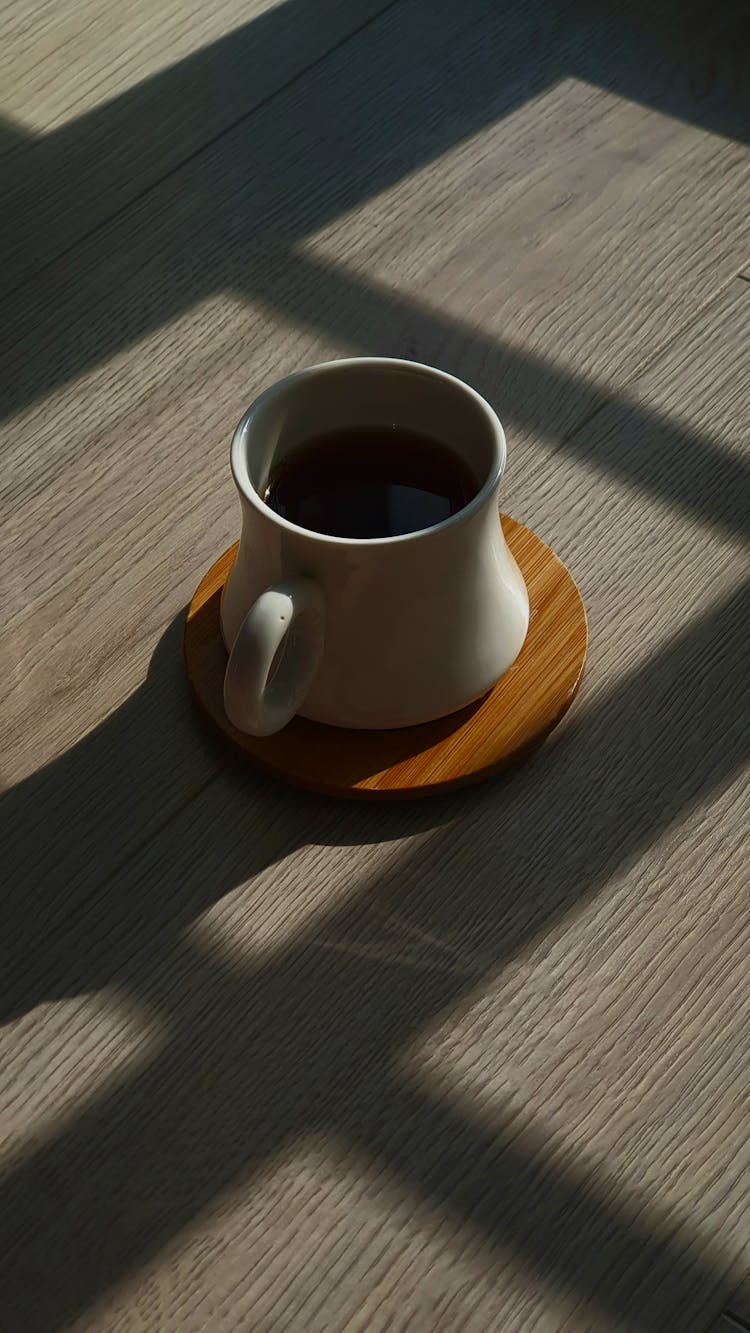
(183, 162)
(60, 927)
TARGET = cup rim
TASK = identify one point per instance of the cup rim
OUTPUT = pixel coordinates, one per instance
(240, 472)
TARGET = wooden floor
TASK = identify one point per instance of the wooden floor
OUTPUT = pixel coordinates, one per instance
(271, 1063)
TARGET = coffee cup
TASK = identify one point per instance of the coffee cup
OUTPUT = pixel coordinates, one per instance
(368, 632)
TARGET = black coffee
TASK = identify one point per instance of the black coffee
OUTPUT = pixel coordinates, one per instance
(370, 481)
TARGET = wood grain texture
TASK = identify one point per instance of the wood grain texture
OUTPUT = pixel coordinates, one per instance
(562, 994)
(69, 72)
(271, 1061)
(545, 340)
(473, 744)
(99, 103)
(563, 156)
(117, 491)
(59, 62)
(475, 1062)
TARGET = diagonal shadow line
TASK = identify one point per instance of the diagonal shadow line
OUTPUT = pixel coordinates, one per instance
(67, 171)
(255, 1058)
(119, 150)
(175, 1160)
(642, 446)
(639, 1267)
(107, 158)
(442, 80)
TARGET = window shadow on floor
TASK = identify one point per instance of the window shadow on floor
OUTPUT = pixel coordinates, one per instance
(120, 844)
(305, 1040)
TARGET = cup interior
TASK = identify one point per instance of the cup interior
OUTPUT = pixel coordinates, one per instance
(367, 392)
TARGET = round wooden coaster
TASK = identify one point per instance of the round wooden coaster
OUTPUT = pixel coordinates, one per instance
(473, 743)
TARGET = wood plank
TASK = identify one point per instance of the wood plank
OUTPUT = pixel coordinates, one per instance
(269, 1063)
(634, 1003)
(59, 62)
(498, 1053)
(115, 493)
(207, 229)
(79, 173)
(470, 1063)
(99, 102)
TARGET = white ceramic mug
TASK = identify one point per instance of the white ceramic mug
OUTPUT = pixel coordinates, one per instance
(386, 632)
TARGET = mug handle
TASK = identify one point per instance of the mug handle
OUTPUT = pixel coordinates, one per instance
(274, 657)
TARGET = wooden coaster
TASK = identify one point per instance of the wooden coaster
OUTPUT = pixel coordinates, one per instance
(473, 743)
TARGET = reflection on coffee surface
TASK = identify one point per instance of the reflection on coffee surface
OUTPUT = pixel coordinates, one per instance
(370, 481)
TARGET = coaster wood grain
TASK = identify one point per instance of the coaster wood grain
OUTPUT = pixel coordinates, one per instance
(474, 743)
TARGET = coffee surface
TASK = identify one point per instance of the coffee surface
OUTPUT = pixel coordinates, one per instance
(370, 481)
